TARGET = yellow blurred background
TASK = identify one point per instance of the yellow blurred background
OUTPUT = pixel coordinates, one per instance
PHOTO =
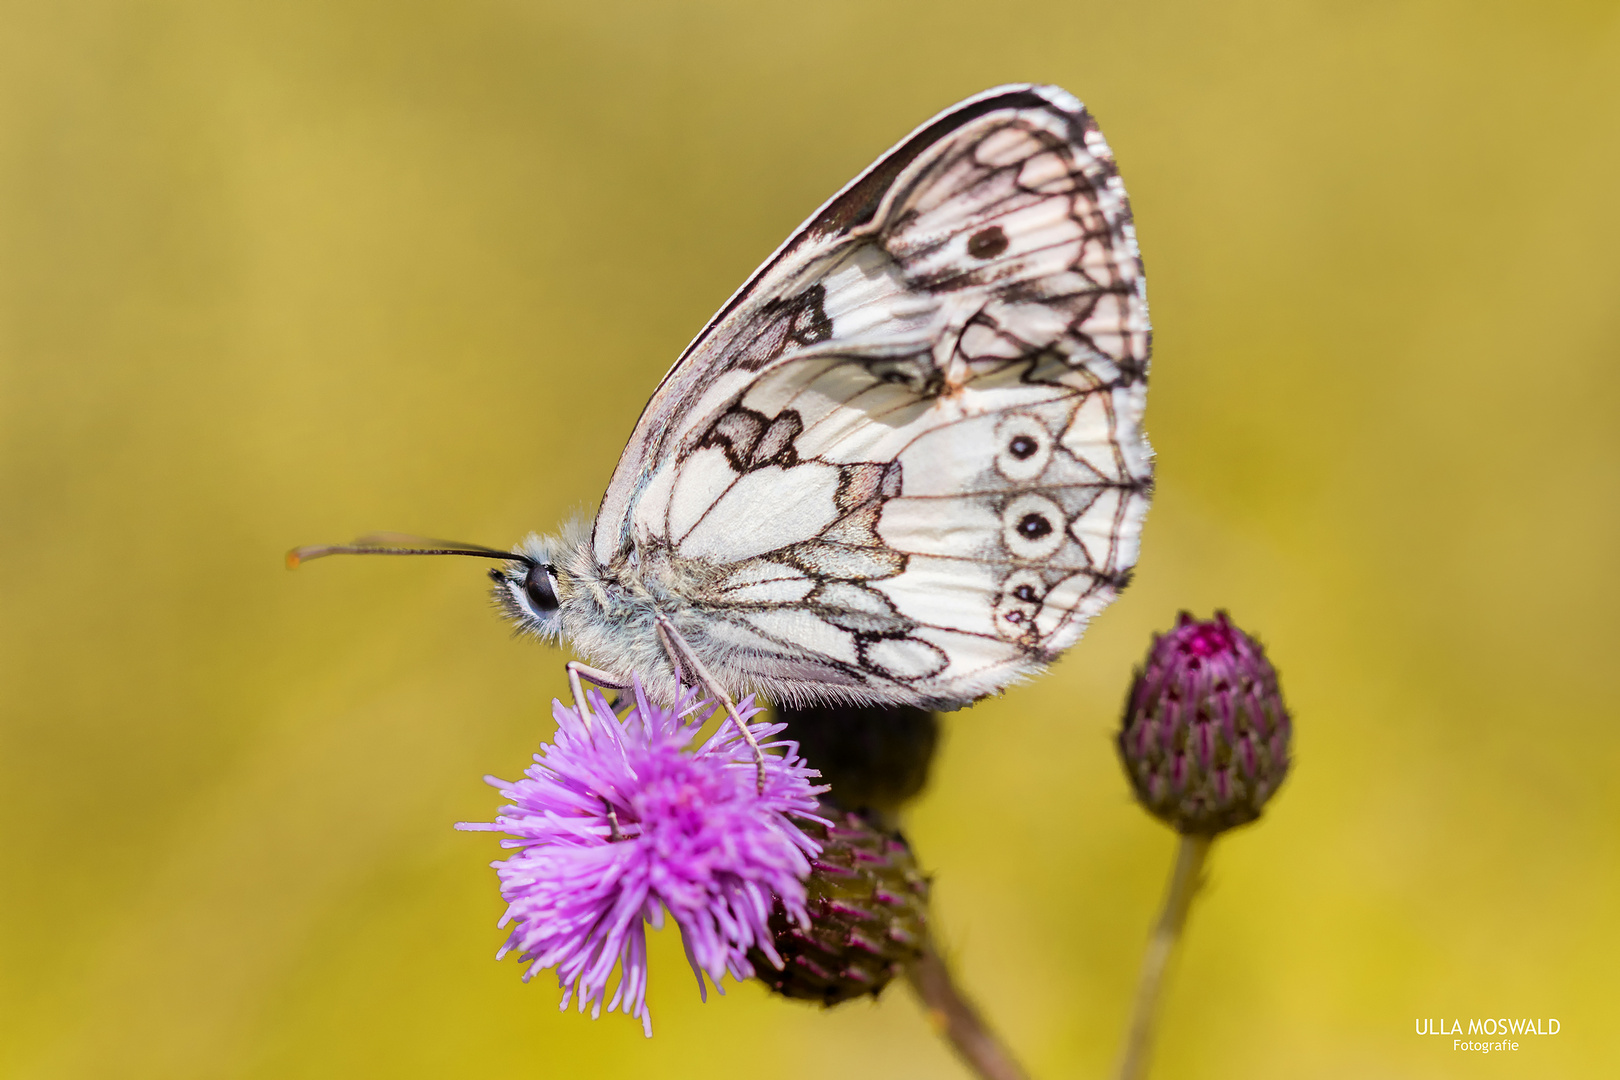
(288, 272)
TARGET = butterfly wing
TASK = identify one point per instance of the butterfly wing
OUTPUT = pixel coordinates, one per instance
(906, 462)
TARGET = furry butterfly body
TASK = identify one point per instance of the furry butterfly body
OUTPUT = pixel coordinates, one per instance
(905, 463)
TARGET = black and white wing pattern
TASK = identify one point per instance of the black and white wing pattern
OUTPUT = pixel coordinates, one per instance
(906, 461)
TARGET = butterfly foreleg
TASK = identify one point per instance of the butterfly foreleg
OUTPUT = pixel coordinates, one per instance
(605, 679)
(683, 656)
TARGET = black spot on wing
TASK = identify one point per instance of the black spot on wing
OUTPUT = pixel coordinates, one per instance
(987, 243)
(809, 324)
(786, 322)
(1034, 526)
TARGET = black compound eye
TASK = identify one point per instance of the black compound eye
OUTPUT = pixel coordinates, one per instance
(538, 587)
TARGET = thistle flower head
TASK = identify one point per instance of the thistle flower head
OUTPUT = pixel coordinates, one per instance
(1205, 737)
(621, 820)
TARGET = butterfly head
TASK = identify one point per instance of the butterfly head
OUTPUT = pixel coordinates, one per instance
(531, 588)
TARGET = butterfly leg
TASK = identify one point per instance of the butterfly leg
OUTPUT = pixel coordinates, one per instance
(681, 655)
(605, 679)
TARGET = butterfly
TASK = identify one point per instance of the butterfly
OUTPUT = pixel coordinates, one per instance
(904, 463)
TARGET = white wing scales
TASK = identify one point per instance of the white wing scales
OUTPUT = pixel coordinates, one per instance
(906, 462)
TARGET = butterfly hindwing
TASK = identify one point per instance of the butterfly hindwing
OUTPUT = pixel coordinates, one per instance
(906, 462)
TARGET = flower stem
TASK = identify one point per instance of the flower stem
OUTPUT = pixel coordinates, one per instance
(1184, 882)
(955, 1018)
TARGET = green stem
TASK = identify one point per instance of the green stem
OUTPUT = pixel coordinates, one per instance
(1184, 882)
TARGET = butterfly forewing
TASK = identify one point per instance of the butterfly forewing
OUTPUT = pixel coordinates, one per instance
(906, 462)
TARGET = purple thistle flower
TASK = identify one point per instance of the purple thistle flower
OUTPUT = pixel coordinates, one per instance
(618, 822)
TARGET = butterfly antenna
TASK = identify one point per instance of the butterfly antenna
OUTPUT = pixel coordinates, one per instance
(401, 544)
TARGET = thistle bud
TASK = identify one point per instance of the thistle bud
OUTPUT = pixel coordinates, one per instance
(868, 908)
(1205, 735)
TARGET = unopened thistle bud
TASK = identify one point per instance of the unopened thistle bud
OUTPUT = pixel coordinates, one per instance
(1205, 735)
(868, 907)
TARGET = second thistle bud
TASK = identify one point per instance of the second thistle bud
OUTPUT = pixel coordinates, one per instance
(868, 908)
(1205, 738)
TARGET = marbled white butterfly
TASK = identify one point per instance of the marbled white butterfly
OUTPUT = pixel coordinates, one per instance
(903, 464)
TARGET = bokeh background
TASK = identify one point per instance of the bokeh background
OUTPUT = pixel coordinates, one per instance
(282, 273)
